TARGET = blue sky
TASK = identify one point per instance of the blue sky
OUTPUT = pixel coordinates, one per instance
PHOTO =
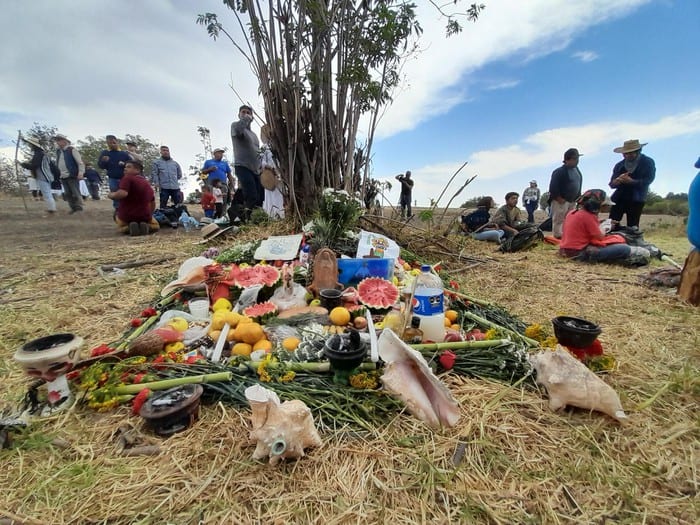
(508, 95)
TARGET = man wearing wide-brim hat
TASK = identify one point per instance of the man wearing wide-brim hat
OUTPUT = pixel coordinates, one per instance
(72, 168)
(40, 167)
(631, 178)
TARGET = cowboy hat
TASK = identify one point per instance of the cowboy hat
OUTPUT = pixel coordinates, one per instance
(212, 231)
(32, 141)
(630, 146)
(59, 136)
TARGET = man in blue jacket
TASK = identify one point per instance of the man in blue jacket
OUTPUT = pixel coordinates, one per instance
(630, 179)
(689, 287)
(112, 160)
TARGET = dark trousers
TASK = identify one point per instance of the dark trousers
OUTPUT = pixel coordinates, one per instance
(71, 190)
(531, 207)
(633, 210)
(94, 189)
(166, 194)
(405, 203)
(249, 184)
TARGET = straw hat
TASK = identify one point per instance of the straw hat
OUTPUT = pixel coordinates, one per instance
(211, 232)
(59, 136)
(32, 141)
(268, 179)
(630, 146)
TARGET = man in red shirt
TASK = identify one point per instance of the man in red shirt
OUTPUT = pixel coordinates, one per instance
(136, 202)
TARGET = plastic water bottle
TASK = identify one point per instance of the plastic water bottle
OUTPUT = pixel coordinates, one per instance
(428, 305)
(304, 255)
(185, 221)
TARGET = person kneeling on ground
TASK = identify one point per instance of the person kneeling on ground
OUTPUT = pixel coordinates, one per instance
(136, 202)
(583, 240)
(478, 223)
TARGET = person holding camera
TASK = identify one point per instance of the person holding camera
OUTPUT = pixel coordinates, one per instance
(405, 198)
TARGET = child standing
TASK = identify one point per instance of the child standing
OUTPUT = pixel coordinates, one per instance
(208, 202)
(218, 198)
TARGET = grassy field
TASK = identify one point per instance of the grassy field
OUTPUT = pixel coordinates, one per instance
(521, 463)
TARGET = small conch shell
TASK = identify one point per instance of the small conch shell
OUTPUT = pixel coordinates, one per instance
(569, 382)
(281, 430)
(409, 377)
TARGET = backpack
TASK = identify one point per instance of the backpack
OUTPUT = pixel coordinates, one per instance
(524, 239)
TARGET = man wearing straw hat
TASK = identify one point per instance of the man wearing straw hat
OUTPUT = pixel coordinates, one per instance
(631, 178)
(72, 170)
(39, 165)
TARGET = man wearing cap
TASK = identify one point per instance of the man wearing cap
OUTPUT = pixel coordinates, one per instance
(564, 189)
(246, 160)
(631, 178)
(72, 169)
(218, 169)
(531, 200)
(112, 160)
(165, 176)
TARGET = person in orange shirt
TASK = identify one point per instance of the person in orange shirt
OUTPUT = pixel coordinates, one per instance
(582, 238)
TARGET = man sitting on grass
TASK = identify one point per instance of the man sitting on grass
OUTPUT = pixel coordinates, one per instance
(136, 202)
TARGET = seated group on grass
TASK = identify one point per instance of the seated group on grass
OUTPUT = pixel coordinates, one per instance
(505, 223)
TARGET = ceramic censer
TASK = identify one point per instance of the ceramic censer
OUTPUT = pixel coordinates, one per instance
(50, 358)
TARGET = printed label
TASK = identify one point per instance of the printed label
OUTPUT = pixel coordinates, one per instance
(428, 304)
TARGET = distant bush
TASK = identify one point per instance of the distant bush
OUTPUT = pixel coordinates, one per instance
(667, 207)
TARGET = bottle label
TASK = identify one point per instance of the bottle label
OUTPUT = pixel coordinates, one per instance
(429, 304)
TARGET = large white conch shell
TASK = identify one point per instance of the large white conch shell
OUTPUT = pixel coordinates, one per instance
(409, 377)
(281, 430)
(569, 382)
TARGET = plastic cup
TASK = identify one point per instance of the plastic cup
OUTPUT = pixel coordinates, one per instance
(330, 298)
(199, 308)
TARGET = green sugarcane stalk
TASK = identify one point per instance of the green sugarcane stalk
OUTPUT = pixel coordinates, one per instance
(460, 345)
(474, 300)
(490, 324)
(170, 383)
(138, 331)
(299, 366)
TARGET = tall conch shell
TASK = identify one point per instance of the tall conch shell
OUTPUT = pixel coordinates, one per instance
(409, 377)
(569, 382)
(282, 430)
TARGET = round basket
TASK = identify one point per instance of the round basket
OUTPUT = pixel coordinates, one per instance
(576, 332)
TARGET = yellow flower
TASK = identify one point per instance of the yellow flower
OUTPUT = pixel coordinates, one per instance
(364, 381)
(491, 333)
(287, 377)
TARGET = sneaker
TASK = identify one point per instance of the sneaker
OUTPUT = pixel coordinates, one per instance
(143, 228)
(134, 229)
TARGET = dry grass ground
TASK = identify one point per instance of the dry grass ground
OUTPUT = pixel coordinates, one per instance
(521, 462)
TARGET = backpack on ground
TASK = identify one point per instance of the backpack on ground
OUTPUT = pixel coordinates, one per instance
(524, 239)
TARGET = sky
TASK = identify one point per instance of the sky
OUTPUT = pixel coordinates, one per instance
(507, 96)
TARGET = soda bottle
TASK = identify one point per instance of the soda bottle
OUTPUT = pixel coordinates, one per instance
(304, 255)
(428, 305)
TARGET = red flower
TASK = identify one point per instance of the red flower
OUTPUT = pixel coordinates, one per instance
(149, 312)
(139, 377)
(193, 359)
(447, 360)
(454, 285)
(592, 350)
(100, 350)
(136, 322)
(139, 400)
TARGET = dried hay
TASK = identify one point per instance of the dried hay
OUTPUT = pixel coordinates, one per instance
(510, 459)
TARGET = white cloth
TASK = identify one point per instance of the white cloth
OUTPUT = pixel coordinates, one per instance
(274, 203)
(83, 188)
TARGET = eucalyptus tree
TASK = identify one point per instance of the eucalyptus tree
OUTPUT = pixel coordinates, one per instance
(321, 65)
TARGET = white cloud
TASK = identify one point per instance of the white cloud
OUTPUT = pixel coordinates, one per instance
(506, 84)
(585, 56)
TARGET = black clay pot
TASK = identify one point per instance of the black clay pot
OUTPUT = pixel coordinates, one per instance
(172, 410)
(345, 353)
(576, 332)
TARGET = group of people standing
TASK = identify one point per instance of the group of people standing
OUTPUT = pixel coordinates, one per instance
(133, 195)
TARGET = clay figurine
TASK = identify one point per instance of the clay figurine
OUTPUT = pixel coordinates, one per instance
(325, 271)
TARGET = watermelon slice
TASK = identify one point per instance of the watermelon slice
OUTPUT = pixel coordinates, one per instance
(377, 293)
(261, 312)
(263, 274)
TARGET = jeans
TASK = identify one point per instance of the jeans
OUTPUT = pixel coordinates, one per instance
(114, 186)
(612, 252)
(250, 188)
(45, 189)
(488, 235)
(531, 207)
(166, 194)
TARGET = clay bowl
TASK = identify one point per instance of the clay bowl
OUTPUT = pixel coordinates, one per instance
(342, 355)
(173, 410)
(49, 357)
(576, 332)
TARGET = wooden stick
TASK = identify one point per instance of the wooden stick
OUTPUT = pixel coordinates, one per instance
(134, 264)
